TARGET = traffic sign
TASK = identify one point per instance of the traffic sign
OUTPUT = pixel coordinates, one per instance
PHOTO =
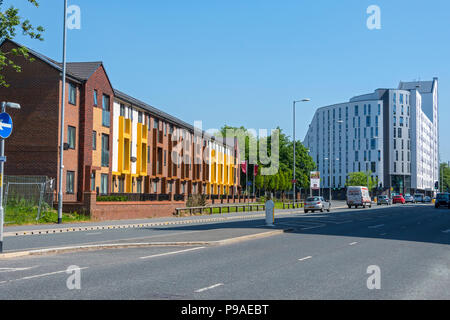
(294, 180)
(6, 125)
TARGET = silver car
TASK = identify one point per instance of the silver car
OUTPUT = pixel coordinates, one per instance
(383, 199)
(316, 204)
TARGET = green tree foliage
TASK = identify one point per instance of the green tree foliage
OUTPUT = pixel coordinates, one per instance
(360, 179)
(445, 172)
(282, 180)
(10, 23)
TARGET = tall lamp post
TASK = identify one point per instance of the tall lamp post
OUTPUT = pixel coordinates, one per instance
(4, 105)
(293, 179)
(63, 101)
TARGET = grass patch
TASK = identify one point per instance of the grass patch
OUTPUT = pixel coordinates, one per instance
(22, 212)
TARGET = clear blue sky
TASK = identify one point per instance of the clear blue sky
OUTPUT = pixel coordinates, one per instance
(242, 62)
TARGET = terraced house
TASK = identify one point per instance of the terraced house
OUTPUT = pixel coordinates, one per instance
(114, 143)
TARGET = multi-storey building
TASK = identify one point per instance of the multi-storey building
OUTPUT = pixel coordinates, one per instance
(114, 143)
(392, 133)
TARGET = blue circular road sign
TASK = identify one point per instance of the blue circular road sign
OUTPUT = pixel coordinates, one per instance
(6, 125)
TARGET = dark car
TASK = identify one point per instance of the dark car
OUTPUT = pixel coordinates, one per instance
(398, 199)
(442, 200)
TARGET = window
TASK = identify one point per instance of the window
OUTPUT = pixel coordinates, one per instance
(164, 157)
(105, 150)
(70, 182)
(122, 110)
(71, 137)
(121, 185)
(401, 121)
(165, 129)
(155, 187)
(95, 98)
(148, 154)
(155, 124)
(139, 186)
(373, 166)
(72, 94)
(105, 111)
(379, 109)
(379, 155)
(396, 155)
(399, 132)
(93, 181)
(356, 110)
(368, 121)
(395, 121)
(104, 184)
(94, 140)
(401, 98)
(139, 117)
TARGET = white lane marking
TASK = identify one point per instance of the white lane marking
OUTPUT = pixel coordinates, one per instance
(383, 234)
(210, 287)
(305, 258)
(15, 269)
(93, 233)
(446, 231)
(377, 226)
(170, 253)
(39, 275)
(353, 243)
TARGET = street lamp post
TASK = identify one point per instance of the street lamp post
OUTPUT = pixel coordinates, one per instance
(293, 110)
(4, 105)
(63, 101)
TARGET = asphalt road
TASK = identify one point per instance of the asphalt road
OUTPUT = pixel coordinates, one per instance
(327, 256)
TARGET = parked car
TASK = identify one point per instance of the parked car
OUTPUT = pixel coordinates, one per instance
(409, 198)
(427, 199)
(358, 197)
(418, 197)
(383, 199)
(398, 199)
(316, 204)
(442, 200)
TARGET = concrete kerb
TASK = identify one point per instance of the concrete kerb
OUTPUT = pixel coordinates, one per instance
(58, 250)
(140, 225)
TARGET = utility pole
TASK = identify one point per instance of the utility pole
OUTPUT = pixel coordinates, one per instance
(63, 101)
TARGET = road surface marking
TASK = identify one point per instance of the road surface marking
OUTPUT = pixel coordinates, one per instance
(383, 234)
(170, 253)
(210, 287)
(305, 258)
(93, 233)
(377, 226)
(15, 269)
(446, 231)
(353, 243)
(39, 275)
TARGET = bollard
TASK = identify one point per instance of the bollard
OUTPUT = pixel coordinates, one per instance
(270, 211)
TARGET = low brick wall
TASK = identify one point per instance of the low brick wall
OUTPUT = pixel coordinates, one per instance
(119, 210)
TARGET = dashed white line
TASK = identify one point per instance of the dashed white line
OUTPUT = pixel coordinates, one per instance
(210, 287)
(305, 258)
(377, 226)
(39, 275)
(170, 253)
(353, 243)
(446, 231)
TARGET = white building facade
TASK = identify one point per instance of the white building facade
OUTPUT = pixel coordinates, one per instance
(392, 133)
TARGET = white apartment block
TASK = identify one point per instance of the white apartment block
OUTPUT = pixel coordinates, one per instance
(393, 133)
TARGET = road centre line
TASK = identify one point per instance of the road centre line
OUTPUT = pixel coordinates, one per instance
(210, 287)
(353, 243)
(39, 275)
(377, 226)
(305, 258)
(171, 253)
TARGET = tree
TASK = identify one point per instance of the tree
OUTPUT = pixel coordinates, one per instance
(360, 179)
(10, 23)
(445, 177)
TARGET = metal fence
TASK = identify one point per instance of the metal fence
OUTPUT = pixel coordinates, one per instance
(32, 191)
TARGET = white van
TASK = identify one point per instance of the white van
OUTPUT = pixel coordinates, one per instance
(358, 196)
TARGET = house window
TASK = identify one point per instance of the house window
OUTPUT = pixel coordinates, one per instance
(71, 136)
(164, 157)
(95, 98)
(155, 123)
(94, 140)
(93, 181)
(104, 184)
(105, 111)
(140, 117)
(72, 94)
(139, 186)
(122, 110)
(70, 182)
(155, 187)
(148, 154)
(121, 185)
(105, 150)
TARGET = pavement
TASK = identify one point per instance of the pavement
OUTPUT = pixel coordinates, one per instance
(324, 256)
